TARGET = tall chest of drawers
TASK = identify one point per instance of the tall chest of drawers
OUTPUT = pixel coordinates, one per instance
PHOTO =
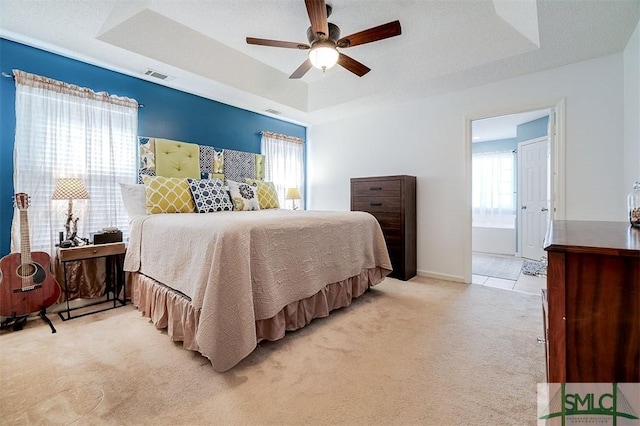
(592, 310)
(392, 200)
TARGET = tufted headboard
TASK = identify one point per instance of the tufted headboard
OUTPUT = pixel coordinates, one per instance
(168, 158)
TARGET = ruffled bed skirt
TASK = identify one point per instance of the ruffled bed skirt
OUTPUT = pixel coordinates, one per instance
(172, 310)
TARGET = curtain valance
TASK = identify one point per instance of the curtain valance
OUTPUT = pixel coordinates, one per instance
(39, 82)
(282, 137)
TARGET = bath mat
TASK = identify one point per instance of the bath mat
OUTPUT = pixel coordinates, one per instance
(535, 268)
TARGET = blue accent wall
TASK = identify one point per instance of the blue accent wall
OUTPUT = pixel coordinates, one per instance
(533, 129)
(500, 145)
(168, 113)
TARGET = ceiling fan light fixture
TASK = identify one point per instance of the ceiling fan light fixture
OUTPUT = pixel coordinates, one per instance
(324, 41)
(323, 55)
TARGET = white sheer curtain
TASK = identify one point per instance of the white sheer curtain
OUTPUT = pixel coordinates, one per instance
(284, 165)
(494, 189)
(66, 131)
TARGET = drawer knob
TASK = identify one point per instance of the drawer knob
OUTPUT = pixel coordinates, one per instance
(95, 251)
(375, 188)
(376, 204)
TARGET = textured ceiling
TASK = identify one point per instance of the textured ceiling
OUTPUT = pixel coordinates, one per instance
(445, 45)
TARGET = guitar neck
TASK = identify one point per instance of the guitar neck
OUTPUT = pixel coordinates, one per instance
(25, 245)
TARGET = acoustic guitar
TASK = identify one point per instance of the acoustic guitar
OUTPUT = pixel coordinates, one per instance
(26, 282)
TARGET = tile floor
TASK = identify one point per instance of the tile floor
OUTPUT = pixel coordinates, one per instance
(524, 283)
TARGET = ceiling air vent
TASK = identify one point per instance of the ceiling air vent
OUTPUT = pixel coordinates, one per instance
(272, 111)
(156, 74)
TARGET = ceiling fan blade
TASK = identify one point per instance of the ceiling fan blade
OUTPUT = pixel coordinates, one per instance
(277, 43)
(380, 32)
(352, 65)
(302, 69)
(317, 11)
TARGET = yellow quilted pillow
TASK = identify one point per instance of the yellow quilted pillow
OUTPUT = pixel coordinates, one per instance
(167, 195)
(267, 195)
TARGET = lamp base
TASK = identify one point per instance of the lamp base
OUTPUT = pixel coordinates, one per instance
(75, 242)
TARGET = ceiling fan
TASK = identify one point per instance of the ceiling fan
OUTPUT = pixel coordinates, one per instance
(324, 41)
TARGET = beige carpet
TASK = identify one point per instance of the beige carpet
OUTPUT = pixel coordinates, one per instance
(421, 352)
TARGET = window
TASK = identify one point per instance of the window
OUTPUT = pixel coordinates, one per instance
(284, 165)
(494, 189)
(63, 131)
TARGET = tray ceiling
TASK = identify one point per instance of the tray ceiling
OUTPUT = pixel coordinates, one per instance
(444, 46)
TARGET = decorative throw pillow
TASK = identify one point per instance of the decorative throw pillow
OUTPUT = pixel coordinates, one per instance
(267, 195)
(243, 195)
(134, 198)
(210, 195)
(167, 195)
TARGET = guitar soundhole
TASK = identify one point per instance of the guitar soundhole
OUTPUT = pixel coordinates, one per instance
(26, 270)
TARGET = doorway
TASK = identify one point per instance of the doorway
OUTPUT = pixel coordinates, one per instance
(513, 182)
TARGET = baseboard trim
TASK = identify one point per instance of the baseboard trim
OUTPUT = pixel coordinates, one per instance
(440, 276)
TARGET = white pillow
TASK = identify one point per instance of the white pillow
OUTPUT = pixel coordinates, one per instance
(135, 199)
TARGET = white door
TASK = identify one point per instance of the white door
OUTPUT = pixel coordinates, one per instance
(533, 195)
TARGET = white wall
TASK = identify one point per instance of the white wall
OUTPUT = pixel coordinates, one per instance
(494, 240)
(632, 110)
(427, 138)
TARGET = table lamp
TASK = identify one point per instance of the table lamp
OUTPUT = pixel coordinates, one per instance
(293, 194)
(70, 189)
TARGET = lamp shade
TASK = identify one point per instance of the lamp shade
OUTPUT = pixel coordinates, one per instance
(293, 194)
(70, 189)
(323, 55)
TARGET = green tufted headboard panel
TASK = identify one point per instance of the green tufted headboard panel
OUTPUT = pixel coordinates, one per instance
(177, 159)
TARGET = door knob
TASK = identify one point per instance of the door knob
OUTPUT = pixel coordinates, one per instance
(523, 207)
(544, 209)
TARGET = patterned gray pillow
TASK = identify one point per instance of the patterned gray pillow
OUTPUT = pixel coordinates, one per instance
(210, 195)
(243, 195)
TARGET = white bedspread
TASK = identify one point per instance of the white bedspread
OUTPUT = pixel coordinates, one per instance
(238, 267)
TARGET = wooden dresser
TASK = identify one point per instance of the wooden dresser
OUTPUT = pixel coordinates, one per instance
(593, 302)
(392, 200)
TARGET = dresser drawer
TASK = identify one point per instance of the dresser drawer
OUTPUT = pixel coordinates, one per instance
(376, 204)
(397, 263)
(375, 188)
(90, 251)
(394, 243)
(389, 221)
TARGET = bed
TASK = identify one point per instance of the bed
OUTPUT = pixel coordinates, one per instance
(222, 282)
